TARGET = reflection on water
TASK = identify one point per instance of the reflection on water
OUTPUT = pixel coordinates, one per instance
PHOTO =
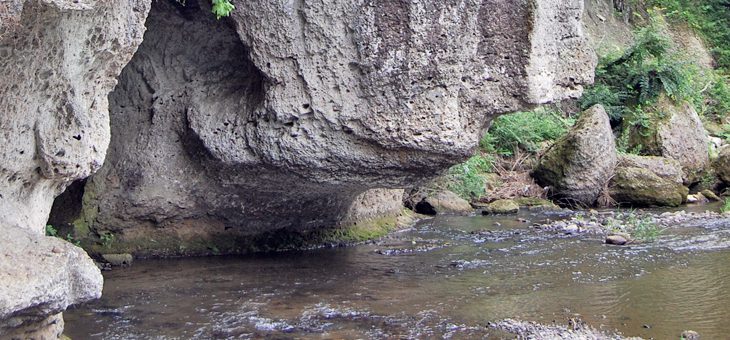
(446, 277)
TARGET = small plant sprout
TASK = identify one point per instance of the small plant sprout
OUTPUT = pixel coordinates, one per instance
(51, 231)
(107, 239)
(222, 8)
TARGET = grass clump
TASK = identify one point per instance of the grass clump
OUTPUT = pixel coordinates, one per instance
(726, 206)
(466, 179)
(645, 230)
(641, 228)
(524, 131)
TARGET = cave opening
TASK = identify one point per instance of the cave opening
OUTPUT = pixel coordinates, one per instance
(191, 78)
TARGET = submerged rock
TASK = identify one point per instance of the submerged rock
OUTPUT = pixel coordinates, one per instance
(576, 330)
(690, 335)
(580, 164)
(118, 260)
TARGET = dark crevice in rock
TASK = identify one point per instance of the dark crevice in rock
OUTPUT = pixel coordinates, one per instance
(425, 208)
(67, 206)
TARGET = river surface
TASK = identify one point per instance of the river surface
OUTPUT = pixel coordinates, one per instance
(445, 277)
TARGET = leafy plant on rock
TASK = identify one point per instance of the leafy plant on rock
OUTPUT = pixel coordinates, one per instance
(221, 8)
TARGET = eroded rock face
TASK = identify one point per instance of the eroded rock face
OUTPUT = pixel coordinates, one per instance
(59, 60)
(580, 164)
(281, 117)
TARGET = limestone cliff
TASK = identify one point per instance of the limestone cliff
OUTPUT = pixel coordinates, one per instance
(58, 62)
(281, 116)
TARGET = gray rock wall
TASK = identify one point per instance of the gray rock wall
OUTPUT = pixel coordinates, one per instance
(59, 60)
(281, 116)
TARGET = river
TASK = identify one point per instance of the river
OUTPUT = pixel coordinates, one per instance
(445, 277)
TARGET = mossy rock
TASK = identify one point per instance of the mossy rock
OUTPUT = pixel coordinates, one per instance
(641, 187)
(159, 243)
(580, 163)
(444, 202)
(534, 202)
(503, 207)
(674, 131)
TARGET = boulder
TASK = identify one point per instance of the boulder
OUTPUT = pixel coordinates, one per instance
(40, 276)
(711, 196)
(503, 207)
(680, 135)
(444, 202)
(722, 165)
(642, 187)
(579, 164)
(666, 168)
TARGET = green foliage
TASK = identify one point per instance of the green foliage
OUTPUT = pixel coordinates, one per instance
(51, 231)
(726, 206)
(645, 230)
(465, 179)
(711, 18)
(716, 103)
(635, 79)
(222, 8)
(641, 228)
(611, 99)
(523, 130)
(70, 238)
(725, 132)
(628, 85)
(107, 239)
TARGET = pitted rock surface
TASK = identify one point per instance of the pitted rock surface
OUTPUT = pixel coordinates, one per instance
(58, 62)
(280, 117)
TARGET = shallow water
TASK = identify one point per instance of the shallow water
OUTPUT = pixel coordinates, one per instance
(445, 277)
